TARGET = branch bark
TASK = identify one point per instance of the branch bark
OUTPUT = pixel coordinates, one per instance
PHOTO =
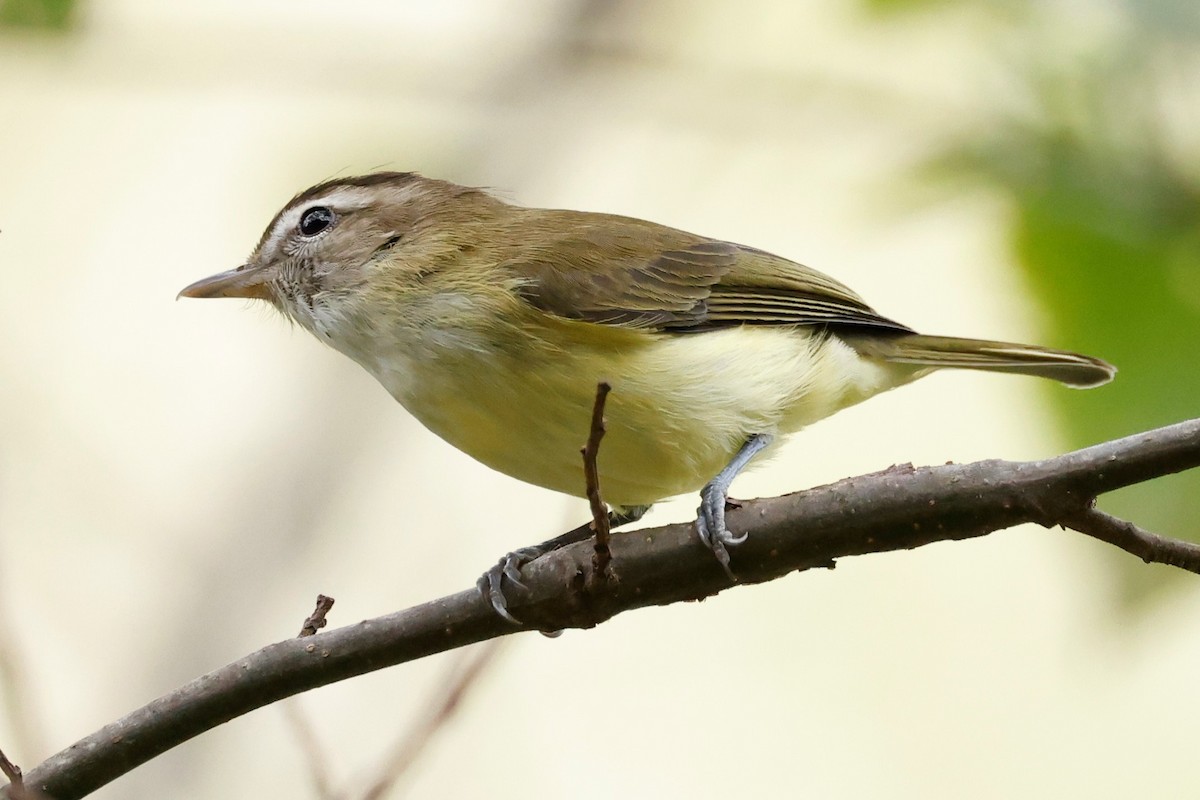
(899, 508)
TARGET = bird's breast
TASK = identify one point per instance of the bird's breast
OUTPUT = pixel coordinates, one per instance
(680, 405)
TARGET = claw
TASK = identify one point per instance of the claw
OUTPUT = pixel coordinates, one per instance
(710, 525)
(722, 554)
(491, 584)
(710, 516)
(511, 564)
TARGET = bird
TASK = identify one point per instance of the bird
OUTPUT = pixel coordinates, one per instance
(493, 324)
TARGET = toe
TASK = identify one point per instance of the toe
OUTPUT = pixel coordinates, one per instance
(710, 526)
(491, 588)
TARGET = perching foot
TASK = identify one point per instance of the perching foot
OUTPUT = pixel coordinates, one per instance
(492, 584)
(710, 517)
(710, 525)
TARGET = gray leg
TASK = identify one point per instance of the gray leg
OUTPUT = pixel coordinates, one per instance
(710, 520)
(508, 569)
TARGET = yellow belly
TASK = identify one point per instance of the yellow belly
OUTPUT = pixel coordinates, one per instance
(680, 407)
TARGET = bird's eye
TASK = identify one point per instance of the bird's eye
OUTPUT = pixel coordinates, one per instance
(315, 220)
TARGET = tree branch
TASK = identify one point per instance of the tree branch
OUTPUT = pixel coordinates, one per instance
(1149, 547)
(900, 508)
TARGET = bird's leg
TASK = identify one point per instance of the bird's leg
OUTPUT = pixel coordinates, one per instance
(491, 583)
(710, 519)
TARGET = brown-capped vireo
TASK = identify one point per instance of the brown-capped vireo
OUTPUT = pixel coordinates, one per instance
(492, 324)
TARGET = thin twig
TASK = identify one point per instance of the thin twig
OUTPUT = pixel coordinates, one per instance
(1149, 547)
(316, 620)
(15, 778)
(899, 508)
(17, 790)
(602, 556)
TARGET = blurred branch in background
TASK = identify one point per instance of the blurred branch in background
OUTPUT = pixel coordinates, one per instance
(1092, 136)
(56, 15)
(462, 676)
(459, 678)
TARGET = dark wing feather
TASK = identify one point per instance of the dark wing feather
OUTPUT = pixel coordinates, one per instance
(619, 271)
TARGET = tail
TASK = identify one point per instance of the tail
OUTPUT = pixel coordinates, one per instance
(1073, 369)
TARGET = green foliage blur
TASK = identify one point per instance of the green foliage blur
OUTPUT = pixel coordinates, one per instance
(55, 15)
(1096, 147)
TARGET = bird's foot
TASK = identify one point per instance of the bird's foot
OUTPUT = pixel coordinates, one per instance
(507, 570)
(714, 497)
(710, 525)
(491, 584)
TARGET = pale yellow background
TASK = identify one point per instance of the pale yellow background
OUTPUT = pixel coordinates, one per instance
(179, 480)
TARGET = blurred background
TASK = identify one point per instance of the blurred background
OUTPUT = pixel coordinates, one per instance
(179, 480)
